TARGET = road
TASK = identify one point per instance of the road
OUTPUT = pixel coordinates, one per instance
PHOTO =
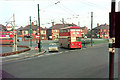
(76, 63)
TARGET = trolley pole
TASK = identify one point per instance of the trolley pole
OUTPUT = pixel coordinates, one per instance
(91, 27)
(30, 34)
(112, 41)
(39, 44)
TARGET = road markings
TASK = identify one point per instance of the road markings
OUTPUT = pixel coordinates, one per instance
(61, 52)
(66, 51)
(40, 55)
(47, 54)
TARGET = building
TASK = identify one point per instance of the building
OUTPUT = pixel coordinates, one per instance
(84, 31)
(24, 33)
(101, 31)
(2, 28)
(53, 32)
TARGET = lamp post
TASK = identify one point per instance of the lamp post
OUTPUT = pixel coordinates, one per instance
(39, 44)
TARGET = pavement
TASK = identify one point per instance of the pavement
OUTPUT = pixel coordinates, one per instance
(24, 55)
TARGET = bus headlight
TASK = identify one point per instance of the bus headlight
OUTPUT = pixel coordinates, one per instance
(72, 44)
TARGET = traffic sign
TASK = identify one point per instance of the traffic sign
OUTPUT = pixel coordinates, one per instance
(9, 27)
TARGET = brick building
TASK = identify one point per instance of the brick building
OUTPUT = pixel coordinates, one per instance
(53, 32)
(101, 31)
(24, 32)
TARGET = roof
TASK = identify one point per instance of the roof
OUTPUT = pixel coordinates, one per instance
(2, 27)
(101, 27)
(71, 27)
(33, 27)
(58, 26)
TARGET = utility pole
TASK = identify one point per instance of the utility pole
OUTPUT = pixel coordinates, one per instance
(15, 36)
(112, 41)
(63, 22)
(91, 27)
(79, 24)
(39, 44)
(30, 34)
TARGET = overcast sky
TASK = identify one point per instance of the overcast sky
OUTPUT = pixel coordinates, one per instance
(73, 11)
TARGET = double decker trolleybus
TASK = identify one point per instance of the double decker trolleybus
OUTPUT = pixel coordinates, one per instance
(70, 37)
(6, 37)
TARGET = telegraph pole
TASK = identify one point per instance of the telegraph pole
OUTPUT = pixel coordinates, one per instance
(91, 27)
(39, 44)
(112, 41)
(79, 24)
(30, 34)
(14, 35)
(63, 22)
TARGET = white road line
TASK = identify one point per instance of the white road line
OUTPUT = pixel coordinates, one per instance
(66, 51)
(40, 55)
(53, 53)
(61, 52)
(47, 54)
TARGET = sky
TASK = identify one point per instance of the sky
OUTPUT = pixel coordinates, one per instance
(73, 11)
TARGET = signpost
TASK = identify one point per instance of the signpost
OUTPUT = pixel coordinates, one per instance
(9, 26)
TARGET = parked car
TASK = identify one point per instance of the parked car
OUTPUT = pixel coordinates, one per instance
(53, 47)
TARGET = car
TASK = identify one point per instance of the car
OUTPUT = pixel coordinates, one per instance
(53, 47)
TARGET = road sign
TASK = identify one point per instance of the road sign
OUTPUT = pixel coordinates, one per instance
(9, 27)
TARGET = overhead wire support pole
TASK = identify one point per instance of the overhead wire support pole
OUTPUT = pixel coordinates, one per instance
(39, 30)
(14, 37)
(91, 27)
(112, 41)
(30, 34)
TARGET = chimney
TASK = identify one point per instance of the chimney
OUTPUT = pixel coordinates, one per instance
(105, 24)
(98, 25)
(52, 23)
(32, 23)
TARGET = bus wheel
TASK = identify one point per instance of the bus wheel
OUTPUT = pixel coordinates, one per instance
(69, 47)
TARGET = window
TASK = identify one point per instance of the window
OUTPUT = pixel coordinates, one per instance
(55, 30)
(77, 32)
(42, 37)
(77, 29)
(72, 29)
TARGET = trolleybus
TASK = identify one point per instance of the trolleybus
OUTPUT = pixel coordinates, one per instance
(70, 37)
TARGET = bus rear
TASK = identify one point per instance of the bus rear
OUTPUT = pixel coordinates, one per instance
(70, 37)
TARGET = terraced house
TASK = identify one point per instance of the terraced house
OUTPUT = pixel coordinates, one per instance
(101, 31)
(53, 32)
(24, 32)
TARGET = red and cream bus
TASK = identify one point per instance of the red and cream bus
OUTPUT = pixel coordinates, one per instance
(70, 37)
(6, 37)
